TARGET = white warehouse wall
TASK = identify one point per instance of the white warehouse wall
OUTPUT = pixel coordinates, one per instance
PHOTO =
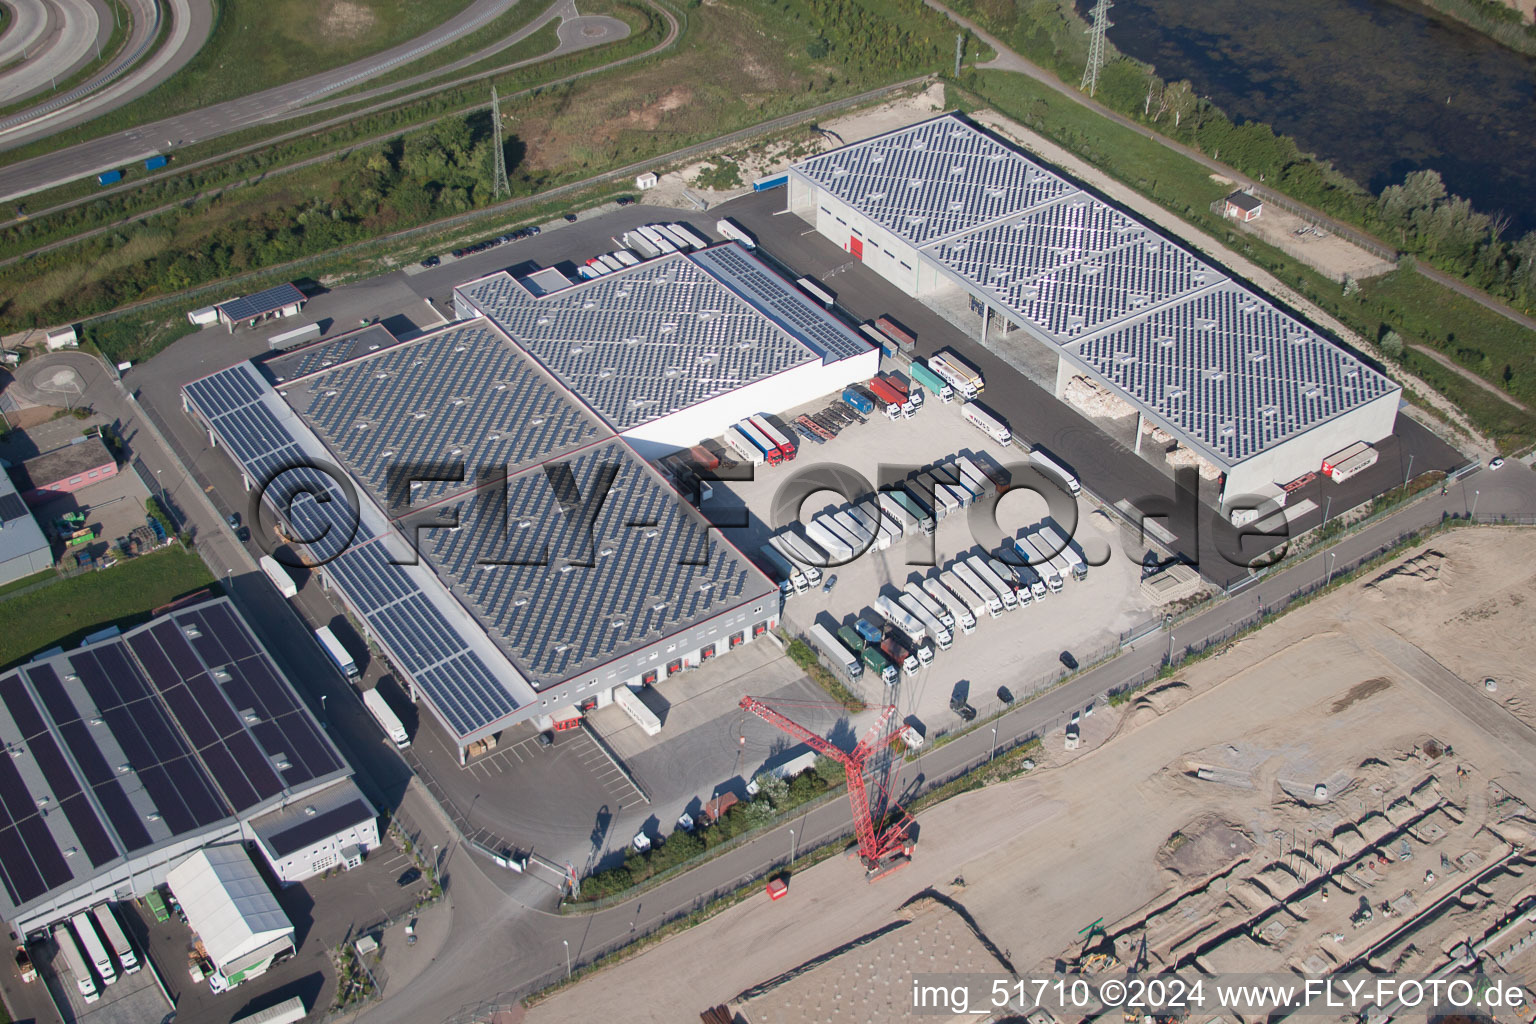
(779, 393)
(884, 253)
(1305, 454)
(323, 855)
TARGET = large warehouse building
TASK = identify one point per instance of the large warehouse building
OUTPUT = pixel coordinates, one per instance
(131, 753)
(555, 564)
(952, 216)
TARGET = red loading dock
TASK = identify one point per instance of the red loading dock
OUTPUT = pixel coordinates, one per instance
(63, 471)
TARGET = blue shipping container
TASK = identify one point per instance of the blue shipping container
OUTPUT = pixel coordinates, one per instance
(154, 163)
(858, 401)
(772, 181)
(108, 177)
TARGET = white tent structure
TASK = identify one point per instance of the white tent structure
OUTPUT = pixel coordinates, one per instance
(232, 910)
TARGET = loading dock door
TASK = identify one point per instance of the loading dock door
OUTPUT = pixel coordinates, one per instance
(856, 247)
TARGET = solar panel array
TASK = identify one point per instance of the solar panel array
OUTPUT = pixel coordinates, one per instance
(322, 355)
(779, 300)
(1231, 368)
(463, 395)
(645, 342)
(423, 644)
(174, 727)
(1174, 335)
(931, 180)
(578, 562)
(1074, 266)
(261, 302)
(12, 507)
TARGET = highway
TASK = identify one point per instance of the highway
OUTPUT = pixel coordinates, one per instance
(53, 39)
(116, 150)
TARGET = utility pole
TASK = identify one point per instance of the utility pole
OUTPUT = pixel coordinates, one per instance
(499, 187)
(959, 52)
(1096, 33)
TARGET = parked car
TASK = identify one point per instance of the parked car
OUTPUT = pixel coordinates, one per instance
(625, 200)
(431, 261)
(533, 229)
(826, 588)
(408, 877)
(233, 519)
(1496, 463)
(1005, 695)
(1068, 660)
(571, 217)
(546, 739)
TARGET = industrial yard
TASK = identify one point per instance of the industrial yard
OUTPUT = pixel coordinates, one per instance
(1192, 817)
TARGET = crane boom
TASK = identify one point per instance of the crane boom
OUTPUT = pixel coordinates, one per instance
(874, 848)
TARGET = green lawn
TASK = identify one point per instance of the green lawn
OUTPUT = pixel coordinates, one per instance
(257, 44)
(124, 594)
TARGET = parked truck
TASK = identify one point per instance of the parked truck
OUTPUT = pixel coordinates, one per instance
(786, 570)
(896, 513)
(850, 639)
(913, 508)
(838, 550)
(727, 228)
(338, 654)
(863, 539)
(1047, 463)
(1053, 556)
(1063, 549)
(871, 632)
(772, 453)
(94, 949)
(932, 626)
(75, 961)
(898, 653)
(989, 578)
(279, 576)
(1342, 465)
(830, 648)
(975, 479)
(875, 660)
(958, 610)
(878, 538)
(887, 395)
(743, 446)
(965, 571)
(1037, 559)
(858, 402)
(931, 381)
(967, 595)
(112, 935)
(897, 615)
(932, 605)
(800, 553)
(903, 337)
(382, 713)
(963, 377)
(987, 422)
(785, 443)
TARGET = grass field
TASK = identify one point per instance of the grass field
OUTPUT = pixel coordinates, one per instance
(257, 44)
(70, 610)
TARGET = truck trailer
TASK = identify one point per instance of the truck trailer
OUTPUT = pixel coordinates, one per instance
(897, 615)
(935, 629)
(960, 375)
(1044, 460)
(977, 603)
(986, 422)
(962, 615)
(116, 941)
(988, 578)
(727, 228)
(1063, 548)
(742, 445)
(382, 713)
(338, 654)
(935, 384)
(278, 575)
(831, 649)
(75, 961)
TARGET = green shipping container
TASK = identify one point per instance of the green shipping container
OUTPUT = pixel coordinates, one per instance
(851, 640)
(157, 905)
(930, 381)
(875, 661)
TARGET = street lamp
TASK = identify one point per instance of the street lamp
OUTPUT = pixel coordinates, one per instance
(1332, 557)
(567, 958)
(1409, 473)
(325, 719)
(1326, 509)
(791, 847)
(993, 752)
(1474, 503)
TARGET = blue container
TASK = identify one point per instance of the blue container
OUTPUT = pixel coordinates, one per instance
(858, 401)
(154, 163)
(772, 181)
(109, 177)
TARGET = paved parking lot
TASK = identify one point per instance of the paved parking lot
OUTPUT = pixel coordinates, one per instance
(131, 999)
(1022, 650)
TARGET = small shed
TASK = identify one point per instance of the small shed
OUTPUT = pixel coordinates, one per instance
(62, 337)
(279, 301)
(1242, 206)
(645, 181)
(203, 316)
(64, 470)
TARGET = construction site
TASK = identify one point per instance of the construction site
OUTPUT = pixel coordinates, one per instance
(1347, 788)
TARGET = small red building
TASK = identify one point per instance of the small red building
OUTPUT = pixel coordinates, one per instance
(1242, 206)
(64, 471)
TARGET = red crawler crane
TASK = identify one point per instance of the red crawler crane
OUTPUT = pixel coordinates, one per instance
(882, 851)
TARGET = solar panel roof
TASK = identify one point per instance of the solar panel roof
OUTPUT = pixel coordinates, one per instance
(646, 341)
(457, 682)
(1201, 353)
(579, 561)
(261, 303)
(173, 728)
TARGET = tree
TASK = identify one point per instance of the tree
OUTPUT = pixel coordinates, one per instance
(1179, 98)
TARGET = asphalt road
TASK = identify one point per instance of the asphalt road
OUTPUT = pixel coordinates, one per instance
(55, 39)
(272, 104)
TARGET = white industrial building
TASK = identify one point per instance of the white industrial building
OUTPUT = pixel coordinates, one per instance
(332, 829)
(231, 909)
(517, 609)
(950, 215)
